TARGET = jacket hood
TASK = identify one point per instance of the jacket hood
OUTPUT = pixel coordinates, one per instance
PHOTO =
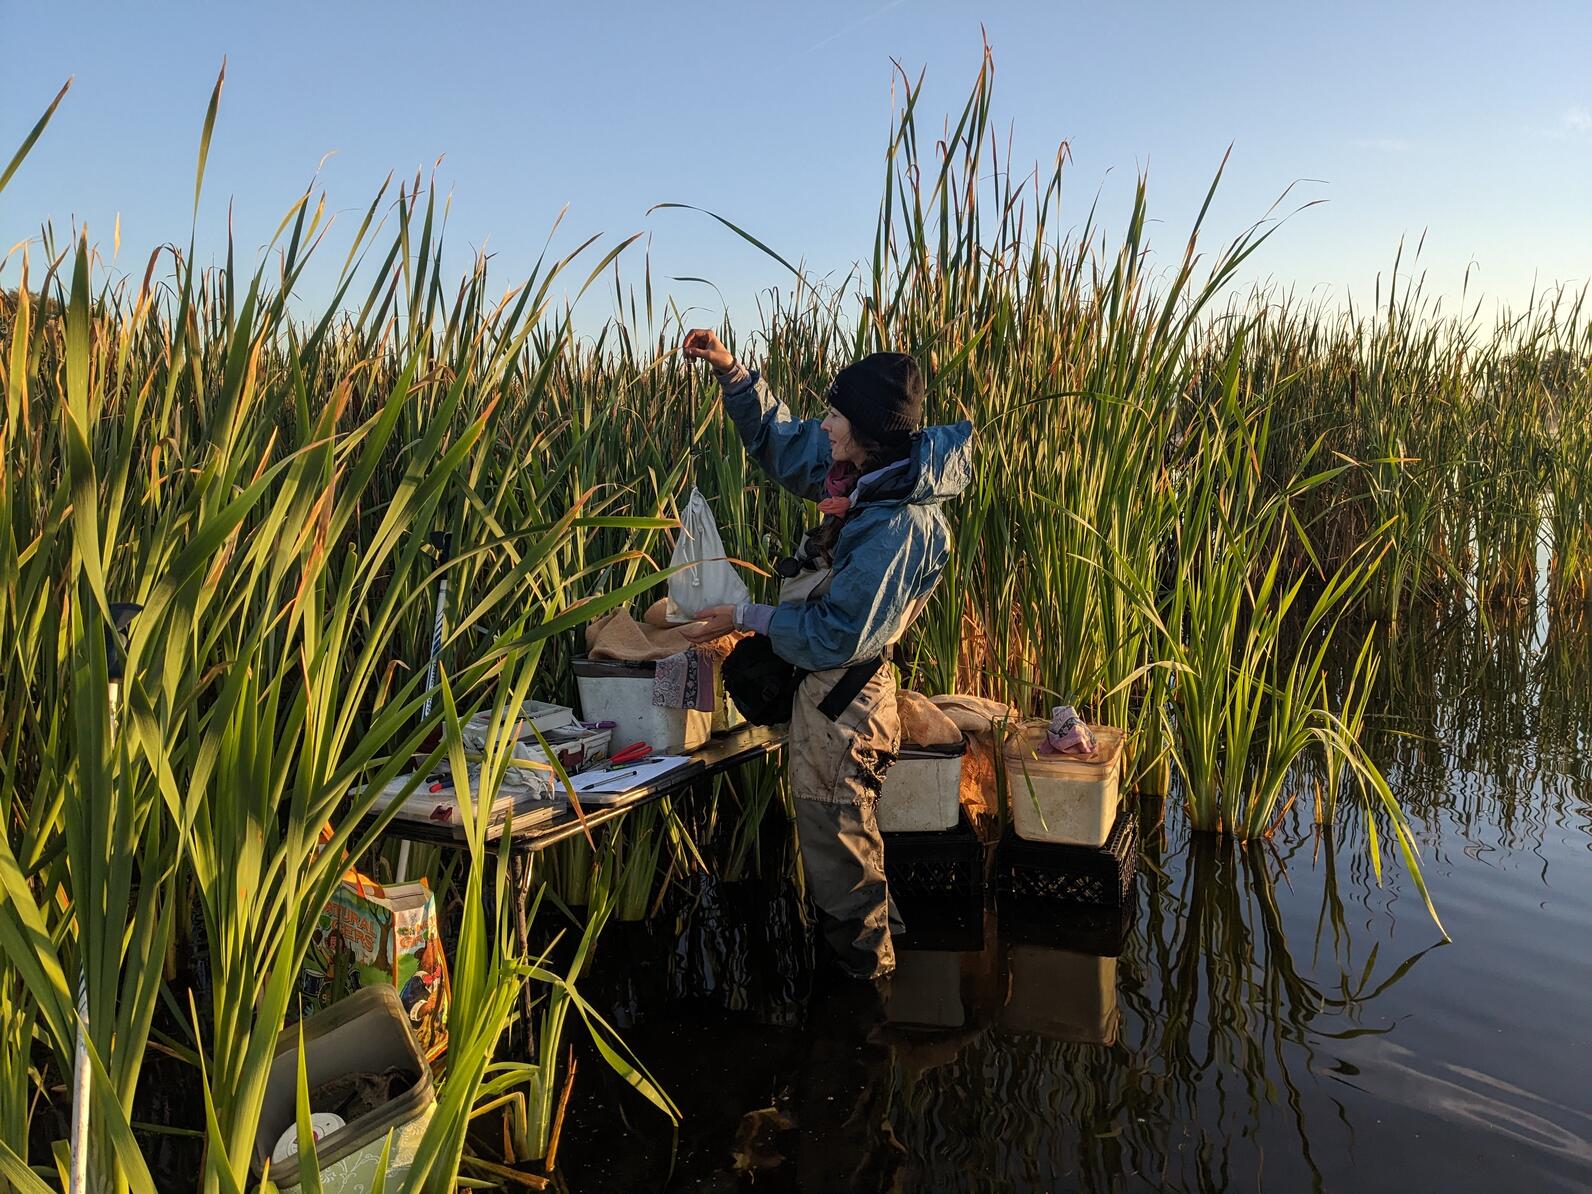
(941, 466)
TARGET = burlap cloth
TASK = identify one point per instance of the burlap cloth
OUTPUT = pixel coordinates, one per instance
(618, 636)
(975, 715)
(983, 723)
(922, 724)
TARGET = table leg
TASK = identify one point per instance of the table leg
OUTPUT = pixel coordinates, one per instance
(402, 873)
(520, 868)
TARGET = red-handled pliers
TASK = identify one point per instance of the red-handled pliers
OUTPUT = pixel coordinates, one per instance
(633, 753)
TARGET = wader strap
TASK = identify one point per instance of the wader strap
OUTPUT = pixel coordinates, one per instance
(849, 687)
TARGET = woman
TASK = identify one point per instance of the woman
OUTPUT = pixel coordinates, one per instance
(849, 593)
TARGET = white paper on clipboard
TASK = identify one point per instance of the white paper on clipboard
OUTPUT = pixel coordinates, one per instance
(627, 777)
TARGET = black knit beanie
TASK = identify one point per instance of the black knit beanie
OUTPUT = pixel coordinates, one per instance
(882, 395)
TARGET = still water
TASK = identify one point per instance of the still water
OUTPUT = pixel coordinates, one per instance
(1274, 1018)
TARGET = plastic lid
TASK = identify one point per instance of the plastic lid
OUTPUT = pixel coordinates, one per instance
(322, 1125)
(1024, 744)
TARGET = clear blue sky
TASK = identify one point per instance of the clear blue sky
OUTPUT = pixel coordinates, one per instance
(1469, 121)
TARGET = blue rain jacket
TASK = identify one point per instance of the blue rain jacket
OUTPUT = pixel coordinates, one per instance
(891, 550)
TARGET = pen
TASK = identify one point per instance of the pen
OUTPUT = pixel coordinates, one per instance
(642, 761)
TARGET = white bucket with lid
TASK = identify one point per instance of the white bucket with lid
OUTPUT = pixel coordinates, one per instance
(1059, 798)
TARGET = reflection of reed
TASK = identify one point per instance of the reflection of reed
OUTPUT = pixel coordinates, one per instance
(1493, 726)
(1562, 727)
(1218, 1049)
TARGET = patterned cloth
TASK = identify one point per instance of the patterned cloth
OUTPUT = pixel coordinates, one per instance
(1067, 734)
(685, 681)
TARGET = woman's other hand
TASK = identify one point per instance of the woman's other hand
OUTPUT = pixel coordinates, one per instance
(702, 344)
(714, 622)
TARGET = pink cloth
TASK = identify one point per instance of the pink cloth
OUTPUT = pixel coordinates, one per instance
(1068, 734)
(838, 484)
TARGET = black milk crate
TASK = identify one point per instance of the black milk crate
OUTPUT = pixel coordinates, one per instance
(947, 865)
(1051, 873)
(935, 923)
(1081, 928)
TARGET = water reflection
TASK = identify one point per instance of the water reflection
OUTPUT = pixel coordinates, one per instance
(1279, 1017)
(1100, 1052)
(1500, 1112)
(1162, 1066)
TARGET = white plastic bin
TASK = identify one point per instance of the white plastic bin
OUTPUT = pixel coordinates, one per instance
(539, 714)
(622, 693)
(1058, 799)
(576, 745)
(367, 1033)
(1061, 995)
(922, 791)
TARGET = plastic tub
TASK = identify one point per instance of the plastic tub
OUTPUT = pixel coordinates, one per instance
(622, 693)
(1058, 799)
(576, 744)
(1061, 995)
(543, 716)
(579, 745)
(368, 1032)
(922, 791)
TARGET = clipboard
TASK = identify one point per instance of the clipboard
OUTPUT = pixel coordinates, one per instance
(627, 777)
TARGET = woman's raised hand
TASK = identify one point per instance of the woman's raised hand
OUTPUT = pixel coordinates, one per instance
(702, 344)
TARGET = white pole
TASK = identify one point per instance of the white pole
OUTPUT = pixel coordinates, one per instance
(431, 684)
(80, 1092)
(78, 1179)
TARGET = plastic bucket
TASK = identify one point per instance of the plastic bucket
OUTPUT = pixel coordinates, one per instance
(366, 1033)
(1054, 798)
(622, 693)
(922, 791)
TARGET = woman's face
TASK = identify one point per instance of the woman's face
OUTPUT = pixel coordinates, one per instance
(843, 448)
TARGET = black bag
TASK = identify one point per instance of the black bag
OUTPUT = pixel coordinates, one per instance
(762, 685)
